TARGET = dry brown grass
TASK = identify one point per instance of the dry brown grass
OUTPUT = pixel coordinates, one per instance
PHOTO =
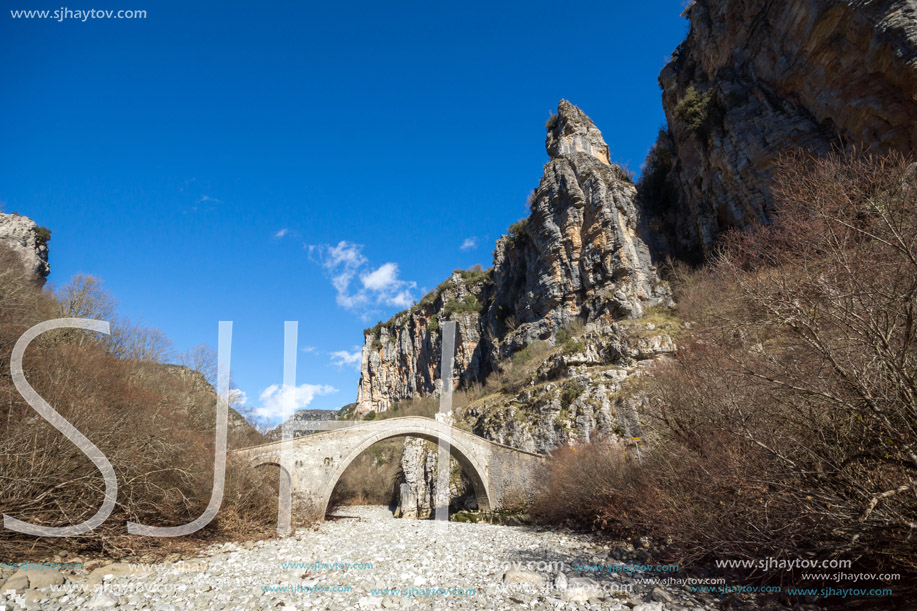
(156, 428)
(787, 425)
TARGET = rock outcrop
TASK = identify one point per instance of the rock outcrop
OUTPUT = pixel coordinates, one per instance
(401, 357)
(566, 278)
(580, 388)
(29, 241)
(755, 80)
(577, 257)
(418, 493)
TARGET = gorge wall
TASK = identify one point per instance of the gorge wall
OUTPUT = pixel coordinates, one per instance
(750, 83)
(576, 257)
(754, 80)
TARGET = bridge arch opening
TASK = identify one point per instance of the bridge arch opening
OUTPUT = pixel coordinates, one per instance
(474, 472)
(372, 478)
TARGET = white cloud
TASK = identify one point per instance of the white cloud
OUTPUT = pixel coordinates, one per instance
(382, 279)
(469, 244)
(207, 198)
(404, 299)
(378, 286)
(281, 233)
(343, 358)
(282, 402)
(308, 349)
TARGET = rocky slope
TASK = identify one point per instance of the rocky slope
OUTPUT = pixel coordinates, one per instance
(577, 257)
(29, 241)
(754, 80)
(544, 349)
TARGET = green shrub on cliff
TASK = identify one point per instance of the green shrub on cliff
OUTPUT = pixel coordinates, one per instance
(693, 109)
(462, 306)
(42, 235)
(517, 229)
(474, 275)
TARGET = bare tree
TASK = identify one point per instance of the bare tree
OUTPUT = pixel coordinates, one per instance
(85, 297)
(202, 359)
(132, 340)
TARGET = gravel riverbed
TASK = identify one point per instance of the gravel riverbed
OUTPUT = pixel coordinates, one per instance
(366, 559)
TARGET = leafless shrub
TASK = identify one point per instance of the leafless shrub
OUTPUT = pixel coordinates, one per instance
(131, 340)
(156, 428)
(202, 359)
(787, 425)
(582, 482)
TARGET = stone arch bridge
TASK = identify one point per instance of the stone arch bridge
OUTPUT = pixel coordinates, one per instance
(314, 463)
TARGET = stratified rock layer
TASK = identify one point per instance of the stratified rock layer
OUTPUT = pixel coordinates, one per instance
(576, 257)
(754, 80)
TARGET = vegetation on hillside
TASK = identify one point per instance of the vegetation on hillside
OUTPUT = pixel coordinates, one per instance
(154, 422)
(786, 426)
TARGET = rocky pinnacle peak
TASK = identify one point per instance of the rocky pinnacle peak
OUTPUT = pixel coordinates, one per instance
(571, 131)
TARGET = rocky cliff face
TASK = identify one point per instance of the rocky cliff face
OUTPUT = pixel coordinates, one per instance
(576, 257)
(544, 319)
(29, 241)
(401, 357)
(754, 80)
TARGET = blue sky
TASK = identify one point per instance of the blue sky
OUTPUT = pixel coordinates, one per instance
(229, 161)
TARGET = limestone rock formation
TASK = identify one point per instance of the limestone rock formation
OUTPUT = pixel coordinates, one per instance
(576, 257)
(29, 241)
(401, 357)
(418, 495)
(577, 391)
(753, 81)
(418, 487)
(574, 282)
(571, 131)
